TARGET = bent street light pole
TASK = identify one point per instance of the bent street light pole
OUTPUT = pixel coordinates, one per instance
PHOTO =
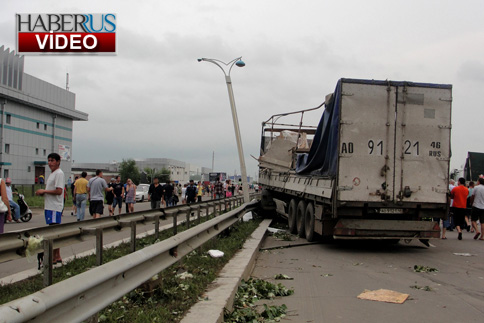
(238, 61)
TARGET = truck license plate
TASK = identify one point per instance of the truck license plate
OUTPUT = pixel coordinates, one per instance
(391, 211)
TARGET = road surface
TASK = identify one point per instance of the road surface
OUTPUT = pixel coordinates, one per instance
(328, 278)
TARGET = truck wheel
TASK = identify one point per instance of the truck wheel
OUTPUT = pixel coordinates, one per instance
(309, 222)
(292, 216)
(301, 211)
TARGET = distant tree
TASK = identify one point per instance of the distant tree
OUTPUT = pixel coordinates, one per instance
(164, 175)
(157, 173)
(128, 169)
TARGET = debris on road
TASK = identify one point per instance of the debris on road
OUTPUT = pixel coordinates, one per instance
(384, 295)
(424, 269)
(34, 244)
(184, 275)
(274, 230)
(247, 217)
(283, 277)
(290, 246)
(327, 275)
(284, 236)
(463, 254)
(215, 253)
(251, 292)
(425, 288)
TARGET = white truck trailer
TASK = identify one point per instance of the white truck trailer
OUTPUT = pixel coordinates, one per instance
(376, 166)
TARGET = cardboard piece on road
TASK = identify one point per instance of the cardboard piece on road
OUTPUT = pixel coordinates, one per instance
(384, 295)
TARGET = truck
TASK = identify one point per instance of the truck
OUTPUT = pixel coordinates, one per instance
(375, 167)
(474, 166)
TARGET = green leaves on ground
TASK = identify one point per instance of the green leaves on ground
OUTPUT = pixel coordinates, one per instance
(424, 269)
(425, 288)
(283, 235)
(249, 293)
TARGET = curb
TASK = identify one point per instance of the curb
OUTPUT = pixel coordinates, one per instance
(222, 290)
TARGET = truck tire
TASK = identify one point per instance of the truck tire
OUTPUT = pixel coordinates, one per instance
(309, 222)
(292, 216)
(301, 211)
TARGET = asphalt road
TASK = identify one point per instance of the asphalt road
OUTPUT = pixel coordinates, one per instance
(328, 278)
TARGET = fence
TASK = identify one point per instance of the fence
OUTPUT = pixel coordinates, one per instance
(82, 296)
(13, 245)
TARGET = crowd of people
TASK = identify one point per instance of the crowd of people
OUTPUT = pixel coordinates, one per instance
(98, 192)
(466, 208)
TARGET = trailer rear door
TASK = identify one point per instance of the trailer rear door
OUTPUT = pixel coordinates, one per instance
(423, 143)
(394, 142)
(367, 142)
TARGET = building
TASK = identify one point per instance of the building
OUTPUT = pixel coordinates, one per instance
(36, 119)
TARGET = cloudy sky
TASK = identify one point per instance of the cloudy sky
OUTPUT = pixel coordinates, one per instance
(153, 99)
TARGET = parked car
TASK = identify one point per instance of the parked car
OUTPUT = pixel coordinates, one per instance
(142, 192)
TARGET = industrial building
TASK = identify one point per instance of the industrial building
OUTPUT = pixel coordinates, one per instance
(36, 119)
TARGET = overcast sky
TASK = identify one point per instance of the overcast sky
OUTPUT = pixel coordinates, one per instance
(153, 99)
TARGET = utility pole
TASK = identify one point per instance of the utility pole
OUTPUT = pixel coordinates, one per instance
(213, 160)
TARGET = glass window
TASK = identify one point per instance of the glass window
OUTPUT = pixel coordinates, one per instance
(45, 152)
(38, 125)
(29, 169)
(36, 151)
(8, 119)
(5, 173)
(45, 127)
(7, 148)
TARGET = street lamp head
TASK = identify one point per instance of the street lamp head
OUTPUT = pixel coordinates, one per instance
(240, 63)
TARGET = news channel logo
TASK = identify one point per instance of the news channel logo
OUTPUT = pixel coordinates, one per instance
(66, 34)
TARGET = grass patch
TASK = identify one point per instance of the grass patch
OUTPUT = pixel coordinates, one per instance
(38, 201)
(173, 296)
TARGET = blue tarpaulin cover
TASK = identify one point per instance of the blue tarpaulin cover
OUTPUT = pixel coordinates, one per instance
(322, 159)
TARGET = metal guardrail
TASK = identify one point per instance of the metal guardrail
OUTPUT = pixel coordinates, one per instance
(80, 297)
(14, 244)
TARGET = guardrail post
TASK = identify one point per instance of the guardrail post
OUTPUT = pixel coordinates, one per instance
(48, 258)
(188, 217)
(199, 211)
(99, 246)
(98, 232)
(175, 229)
(208, 211)
(157, 227)
(133, 236)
